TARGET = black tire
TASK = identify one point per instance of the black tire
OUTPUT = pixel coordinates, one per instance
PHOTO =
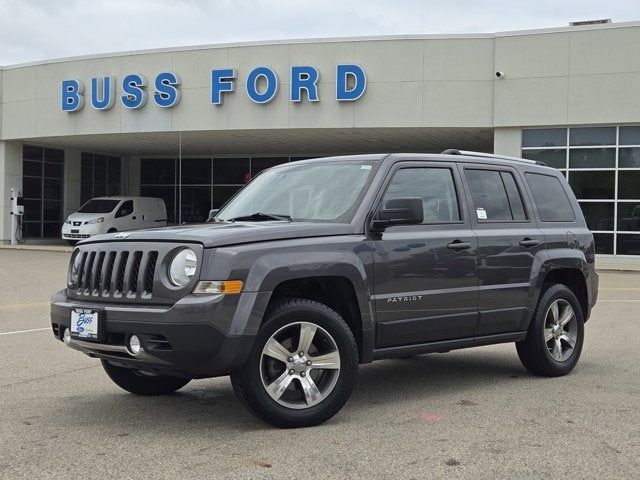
(248, 382)
(73, 243)
(143, 384)
(534, 352)
(112, 230)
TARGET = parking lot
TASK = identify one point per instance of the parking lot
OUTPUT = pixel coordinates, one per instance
(466, 414)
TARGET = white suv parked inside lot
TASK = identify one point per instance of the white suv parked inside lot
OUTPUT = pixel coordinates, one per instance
(114, 214)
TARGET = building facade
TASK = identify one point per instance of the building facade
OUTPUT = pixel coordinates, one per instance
(192, 125)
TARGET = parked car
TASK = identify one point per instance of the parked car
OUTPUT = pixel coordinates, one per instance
(114, 214)
(321, 265)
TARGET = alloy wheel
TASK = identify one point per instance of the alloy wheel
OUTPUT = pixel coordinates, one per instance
(560, 330)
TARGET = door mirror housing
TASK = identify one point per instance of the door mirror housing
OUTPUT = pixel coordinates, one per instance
(212, 215)
(399, 211)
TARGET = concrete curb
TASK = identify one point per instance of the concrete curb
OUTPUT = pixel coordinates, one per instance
(38, 248)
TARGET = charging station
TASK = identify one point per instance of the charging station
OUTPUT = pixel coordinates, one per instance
(17, 212)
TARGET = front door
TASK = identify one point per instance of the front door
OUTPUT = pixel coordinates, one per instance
(508, 241)
(425, 276)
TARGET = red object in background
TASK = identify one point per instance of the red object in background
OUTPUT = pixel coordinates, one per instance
(247, 177)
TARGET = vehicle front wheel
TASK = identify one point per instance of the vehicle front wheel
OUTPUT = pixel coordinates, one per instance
(302, 368)
(143, 383)
(556, 334)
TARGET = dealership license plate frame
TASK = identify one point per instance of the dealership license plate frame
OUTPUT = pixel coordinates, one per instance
(97, 314)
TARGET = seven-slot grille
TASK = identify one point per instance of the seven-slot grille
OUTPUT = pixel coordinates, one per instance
(116, 273)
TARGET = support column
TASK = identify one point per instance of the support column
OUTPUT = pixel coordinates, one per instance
(507, 141)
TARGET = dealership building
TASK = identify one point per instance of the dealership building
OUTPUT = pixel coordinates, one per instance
(193, 124)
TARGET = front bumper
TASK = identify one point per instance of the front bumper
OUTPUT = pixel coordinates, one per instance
(81, 232)
(180, 340)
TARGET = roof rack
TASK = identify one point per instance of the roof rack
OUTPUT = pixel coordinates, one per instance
(468, 153)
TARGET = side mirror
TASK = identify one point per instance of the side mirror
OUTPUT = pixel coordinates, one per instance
(399, 211)
(212, 215)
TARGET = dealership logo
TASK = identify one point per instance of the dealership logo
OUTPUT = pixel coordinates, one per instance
(261, 87)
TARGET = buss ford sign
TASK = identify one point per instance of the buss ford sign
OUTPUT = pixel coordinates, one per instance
(261, 87)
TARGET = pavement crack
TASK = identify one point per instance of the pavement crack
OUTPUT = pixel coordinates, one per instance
(46, 376)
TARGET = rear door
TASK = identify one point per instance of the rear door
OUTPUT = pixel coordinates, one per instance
(425, 277)
(508, 241)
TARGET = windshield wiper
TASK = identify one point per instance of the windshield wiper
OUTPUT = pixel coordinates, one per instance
(262, 216)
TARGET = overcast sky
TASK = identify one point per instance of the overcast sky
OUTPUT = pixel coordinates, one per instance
(43, 29)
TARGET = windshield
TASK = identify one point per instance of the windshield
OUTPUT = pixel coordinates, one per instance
(311, 191)
(99, 206)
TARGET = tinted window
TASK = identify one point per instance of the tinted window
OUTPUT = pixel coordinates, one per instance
(436, 188)
(551, 199)
(593, 185)
(555, 158)
(98, 206)
(495, 195)
(125, 209)
(592, 136)
(544, 137)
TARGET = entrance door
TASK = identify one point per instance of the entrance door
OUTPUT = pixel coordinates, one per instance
(425, 276)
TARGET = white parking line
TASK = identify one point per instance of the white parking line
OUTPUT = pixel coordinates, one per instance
(25, 331)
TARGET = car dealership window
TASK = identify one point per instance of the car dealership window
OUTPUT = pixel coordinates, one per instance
(602, 165)
(193, 186)
(100, 175)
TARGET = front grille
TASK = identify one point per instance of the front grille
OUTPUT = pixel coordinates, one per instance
(116, 273)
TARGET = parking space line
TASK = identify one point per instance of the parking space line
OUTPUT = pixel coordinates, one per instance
(25, 331)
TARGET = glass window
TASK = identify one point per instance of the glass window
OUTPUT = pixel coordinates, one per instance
(544, 137)
(629, 157)
(99, 206)
(629, 216)
(86, 192)
(629, 136)
(222, 194)
(593, 185)
(86, 167)
(436, 188)
(99, 190)
(33, 210)
(54, 170)
(100, 169)
(599, 216)
(29, 152)
(52, 189)
(158, 171)
(592, 158)
(604, 242)
(52, 211)
(629, 185)
(262, 163)
(114, 170)
(196, 203)
(231, 171)
(555, 158)
(32, 187)
(32, 229)
(551, 199)
(51, 229)
(196, 171)
(515, 199)
(592, 136)
(31, 169)
(125, 209)
(628, 244)
(489, 195)
(53, 155)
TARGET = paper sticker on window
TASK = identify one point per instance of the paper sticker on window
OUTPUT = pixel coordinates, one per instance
(365, 167)
(481, 213)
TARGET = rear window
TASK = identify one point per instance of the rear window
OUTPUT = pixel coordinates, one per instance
(495, 196)
(551, 198)
(99, 206)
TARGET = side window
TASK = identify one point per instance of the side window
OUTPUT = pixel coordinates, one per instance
(551, 198)
(495, 196)
(125, 209)
(436, 188)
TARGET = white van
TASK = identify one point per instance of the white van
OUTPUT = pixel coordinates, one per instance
(114, 214)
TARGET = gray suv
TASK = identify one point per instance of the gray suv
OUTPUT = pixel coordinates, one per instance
(320, 265)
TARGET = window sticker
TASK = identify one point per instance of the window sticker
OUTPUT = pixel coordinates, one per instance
(481, 213)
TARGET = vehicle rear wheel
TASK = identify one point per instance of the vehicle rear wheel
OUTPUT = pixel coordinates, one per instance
(302, 368)
(556, 334)
(143, 383)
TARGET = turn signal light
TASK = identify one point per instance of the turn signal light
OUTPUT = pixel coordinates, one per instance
(212, 287)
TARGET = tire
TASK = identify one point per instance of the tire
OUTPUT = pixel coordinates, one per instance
(112, 230)
(552, 349)
(328, 336)
(141, 383)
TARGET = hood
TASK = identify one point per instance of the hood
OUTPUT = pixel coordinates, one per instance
(78, 217)
(219, 234)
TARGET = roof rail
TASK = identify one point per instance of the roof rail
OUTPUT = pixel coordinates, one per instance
(455, 151)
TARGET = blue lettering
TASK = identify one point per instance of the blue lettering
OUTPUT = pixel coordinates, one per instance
(167, 94)
(221, 81)
(103, 93)
(345, 92)
(72, 95)
(133, 94)
(271, 85)
(304, 78)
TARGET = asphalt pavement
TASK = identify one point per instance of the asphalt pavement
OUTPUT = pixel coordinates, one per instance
(473, 413)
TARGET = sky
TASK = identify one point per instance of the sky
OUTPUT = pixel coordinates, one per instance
(32, 30)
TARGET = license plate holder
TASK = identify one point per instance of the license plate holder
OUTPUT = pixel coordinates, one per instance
(87, 324)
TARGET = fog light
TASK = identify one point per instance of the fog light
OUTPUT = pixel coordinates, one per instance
(134, 345)
(66, 336)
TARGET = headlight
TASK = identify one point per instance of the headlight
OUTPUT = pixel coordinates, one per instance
(95, 220)
(68, 222)
(74, 271)
(183, 267)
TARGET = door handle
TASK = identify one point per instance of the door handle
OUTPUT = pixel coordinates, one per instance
(457, 245)
(133, 218)
(529, 242)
